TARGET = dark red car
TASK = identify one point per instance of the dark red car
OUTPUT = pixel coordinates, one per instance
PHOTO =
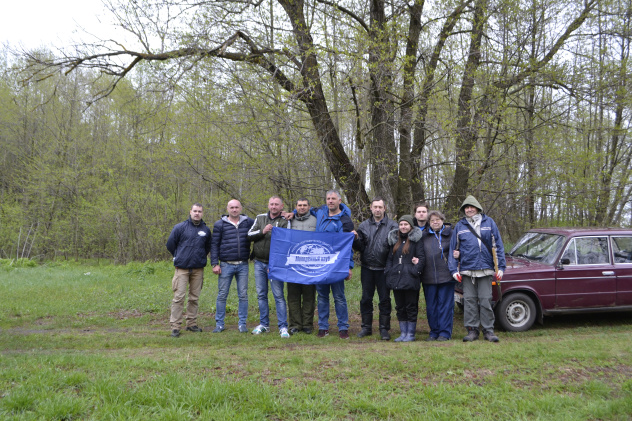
(564, 270)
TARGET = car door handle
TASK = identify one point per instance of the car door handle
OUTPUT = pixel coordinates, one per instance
(607, 273)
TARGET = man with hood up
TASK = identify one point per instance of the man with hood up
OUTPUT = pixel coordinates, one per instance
(476, 235)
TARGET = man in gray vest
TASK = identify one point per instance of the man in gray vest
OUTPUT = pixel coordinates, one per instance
(301, 299)
(372, 243)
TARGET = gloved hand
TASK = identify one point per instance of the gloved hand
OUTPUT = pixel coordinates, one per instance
(457, 277)
(499, 275)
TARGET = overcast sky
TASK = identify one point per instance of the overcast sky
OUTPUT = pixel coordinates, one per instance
(35, 23)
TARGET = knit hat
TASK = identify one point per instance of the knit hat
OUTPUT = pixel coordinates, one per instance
(409, 219)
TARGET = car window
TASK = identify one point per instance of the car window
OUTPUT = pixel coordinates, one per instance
(571, 253)
(587, 251)
(538, 246)
(622, 249)
(592, 250)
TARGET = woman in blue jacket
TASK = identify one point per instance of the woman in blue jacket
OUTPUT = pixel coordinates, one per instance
(472, 242)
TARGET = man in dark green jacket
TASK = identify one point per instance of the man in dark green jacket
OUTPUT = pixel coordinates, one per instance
(301, 299)
(260, 235)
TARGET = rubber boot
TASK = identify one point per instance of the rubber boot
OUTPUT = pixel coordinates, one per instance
(472, 334)
(367, 325)
(412, 327)
(403, 327)
(385, 326)
(489, 335)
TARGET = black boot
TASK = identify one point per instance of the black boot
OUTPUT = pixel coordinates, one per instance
(367, 326)
(385, 326)
(472, 334)
(489, 335)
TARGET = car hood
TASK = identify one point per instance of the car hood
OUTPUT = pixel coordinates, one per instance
(518, 265)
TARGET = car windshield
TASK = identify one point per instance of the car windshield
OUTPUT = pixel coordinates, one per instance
(538, 246)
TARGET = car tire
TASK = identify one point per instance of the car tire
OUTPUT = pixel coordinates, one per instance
(516, 312)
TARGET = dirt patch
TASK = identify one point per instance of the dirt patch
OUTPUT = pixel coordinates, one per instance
(126, 314)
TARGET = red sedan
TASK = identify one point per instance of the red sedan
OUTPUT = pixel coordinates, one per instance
(564, 270)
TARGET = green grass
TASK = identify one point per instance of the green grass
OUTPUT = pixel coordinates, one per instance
(92, 342)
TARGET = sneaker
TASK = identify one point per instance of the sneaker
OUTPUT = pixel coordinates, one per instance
(194, 329)
(322, 333)
(243, 329)
(175, 333)
(219, 329)
(431, 338)
(344, 334)
(308, 330)
(284, 333)
(293, 331)
(260, 329)
(443, 339)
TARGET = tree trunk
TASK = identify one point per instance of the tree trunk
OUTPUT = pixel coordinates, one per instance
(466, 130)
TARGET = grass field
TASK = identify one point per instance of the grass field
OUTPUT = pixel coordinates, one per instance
(81, 341)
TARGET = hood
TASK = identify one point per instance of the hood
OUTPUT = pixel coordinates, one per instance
(414, 235)
(242, 217)
(302, 218)
(516, 265)
(471, 201)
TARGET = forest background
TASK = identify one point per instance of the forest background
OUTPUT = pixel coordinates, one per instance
(105, 145)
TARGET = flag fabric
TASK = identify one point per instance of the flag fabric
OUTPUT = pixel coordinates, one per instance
(307, 257)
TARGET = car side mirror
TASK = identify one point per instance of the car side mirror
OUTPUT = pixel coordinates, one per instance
(563, 261)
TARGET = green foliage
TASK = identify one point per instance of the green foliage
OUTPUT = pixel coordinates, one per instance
(17, 263)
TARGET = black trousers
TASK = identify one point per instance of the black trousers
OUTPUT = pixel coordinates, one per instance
(406, 304)
(372, 280)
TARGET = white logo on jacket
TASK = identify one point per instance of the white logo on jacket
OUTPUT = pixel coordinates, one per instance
(201, 233)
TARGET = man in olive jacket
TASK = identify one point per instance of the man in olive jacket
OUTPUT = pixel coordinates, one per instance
(261, 235)
(188, 243)
(301, 299)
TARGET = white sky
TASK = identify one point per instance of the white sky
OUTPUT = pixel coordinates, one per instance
(36, 23)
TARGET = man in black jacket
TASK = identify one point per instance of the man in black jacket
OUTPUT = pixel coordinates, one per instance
(230, 250)
(372, 243)
(189, 243)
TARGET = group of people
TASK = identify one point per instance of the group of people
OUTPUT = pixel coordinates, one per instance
(418, 251)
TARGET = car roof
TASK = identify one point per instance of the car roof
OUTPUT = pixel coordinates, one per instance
(576, 232)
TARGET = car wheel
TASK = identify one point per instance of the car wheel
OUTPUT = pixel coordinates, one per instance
(516, 313)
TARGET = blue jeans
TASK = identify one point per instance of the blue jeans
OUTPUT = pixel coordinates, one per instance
(340, 305)
(440, 308)
(240, 272)
(261, 282)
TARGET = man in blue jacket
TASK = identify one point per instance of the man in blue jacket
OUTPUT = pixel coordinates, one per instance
(189, 243)
(333, 217)
(476, 235)
(230, 249)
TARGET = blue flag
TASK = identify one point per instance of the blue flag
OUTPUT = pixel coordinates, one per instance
(306, 257)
